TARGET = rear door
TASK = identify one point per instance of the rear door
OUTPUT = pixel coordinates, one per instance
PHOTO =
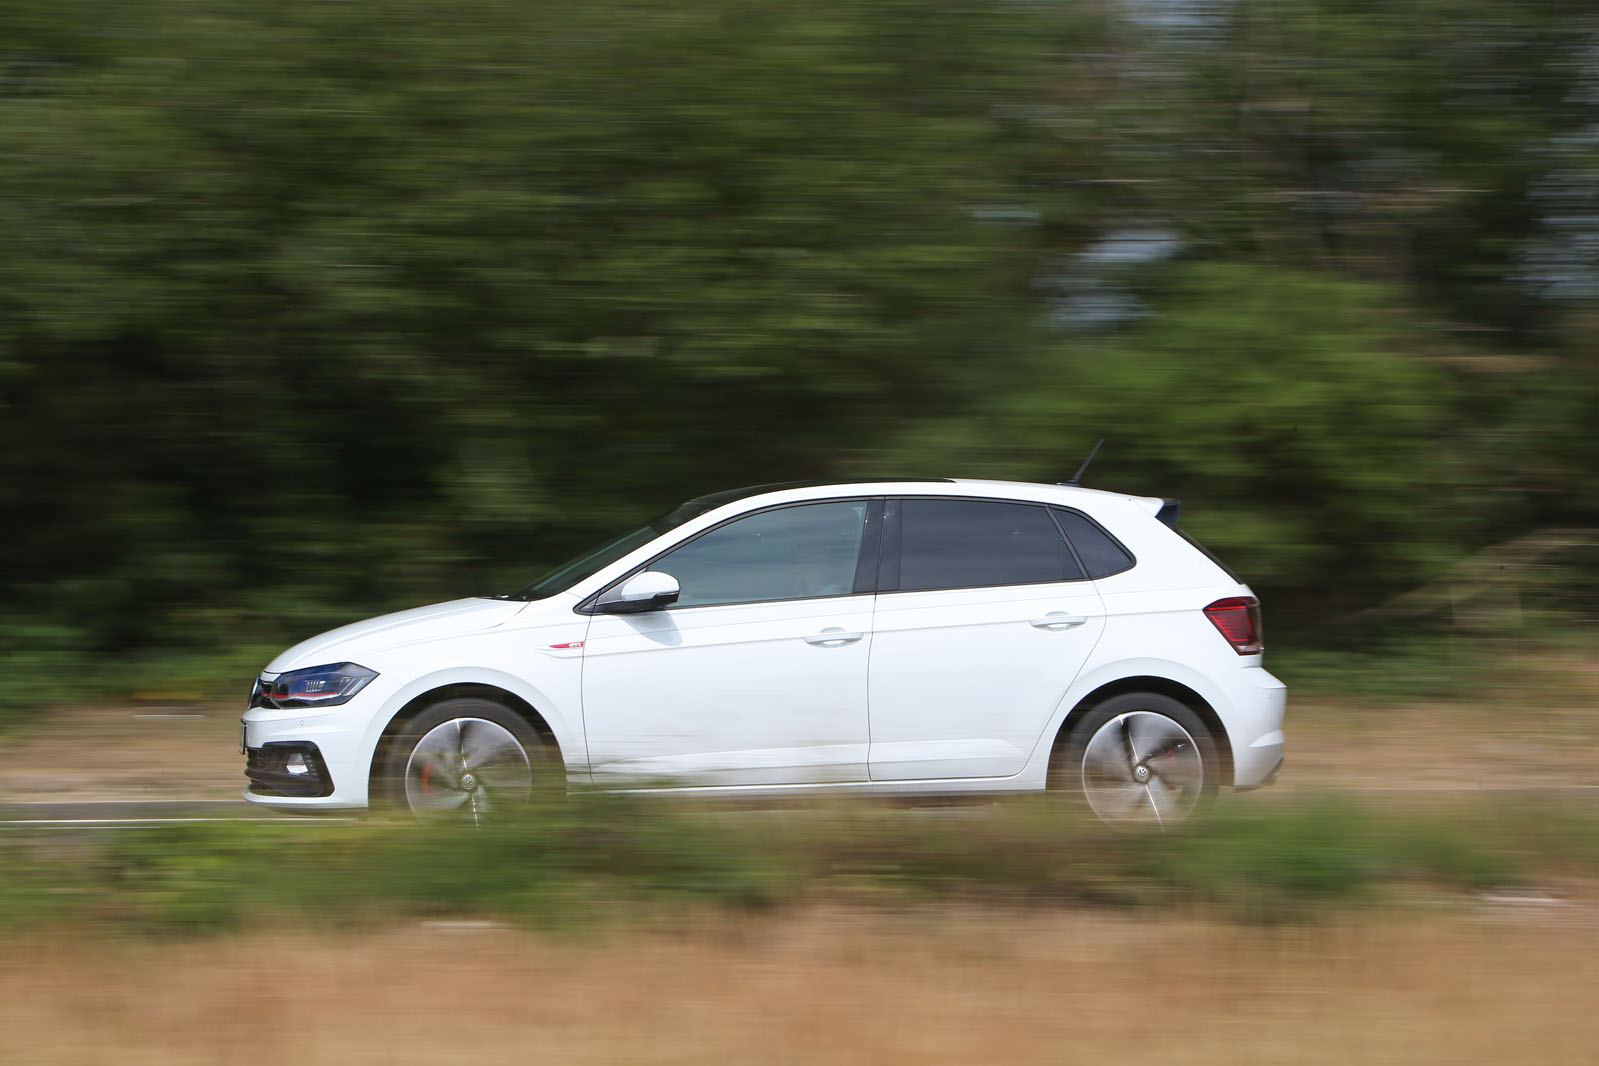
(983, 621)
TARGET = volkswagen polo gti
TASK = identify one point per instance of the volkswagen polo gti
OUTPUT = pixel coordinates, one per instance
(908, 637)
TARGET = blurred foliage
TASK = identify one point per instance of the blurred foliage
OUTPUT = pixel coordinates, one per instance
(1393, 668)
(594, 861)
(1256, 386)
(312, 309)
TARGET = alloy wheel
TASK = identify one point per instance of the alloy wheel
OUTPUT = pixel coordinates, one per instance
(1142, 767)
(467, 770)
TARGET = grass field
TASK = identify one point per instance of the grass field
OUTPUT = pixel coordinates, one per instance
(1394, 899)
(1476, 714)
(915, 986)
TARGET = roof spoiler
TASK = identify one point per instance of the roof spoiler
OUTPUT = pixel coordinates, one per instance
(1169, 510)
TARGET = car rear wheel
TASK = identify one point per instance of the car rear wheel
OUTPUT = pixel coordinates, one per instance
(465, 760)
(1140, 758)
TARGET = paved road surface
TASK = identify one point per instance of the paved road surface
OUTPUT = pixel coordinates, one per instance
(131, 814)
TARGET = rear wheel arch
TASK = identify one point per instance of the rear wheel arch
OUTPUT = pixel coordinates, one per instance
(1163, 686)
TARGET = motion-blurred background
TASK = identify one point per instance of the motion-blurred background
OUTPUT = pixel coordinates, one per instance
(311, 309)
(314, 309)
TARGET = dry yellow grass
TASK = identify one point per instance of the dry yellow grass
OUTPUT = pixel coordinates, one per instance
(1537, 736)
(836, 987)
(1439, 746)
(1534, 726)
(124, 754)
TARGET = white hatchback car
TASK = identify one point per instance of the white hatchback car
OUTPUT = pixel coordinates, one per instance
(910, 637)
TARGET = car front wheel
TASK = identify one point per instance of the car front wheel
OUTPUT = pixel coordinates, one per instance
(465, 760)
(1140, 758)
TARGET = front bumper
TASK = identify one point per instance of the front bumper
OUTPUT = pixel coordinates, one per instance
(335, 735)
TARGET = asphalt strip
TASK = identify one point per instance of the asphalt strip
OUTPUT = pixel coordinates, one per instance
(132, 814)
(134, 823)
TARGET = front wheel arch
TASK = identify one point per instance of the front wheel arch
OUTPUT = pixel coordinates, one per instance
(403, 718)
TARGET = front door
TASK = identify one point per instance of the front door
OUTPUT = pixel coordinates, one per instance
(756, 676)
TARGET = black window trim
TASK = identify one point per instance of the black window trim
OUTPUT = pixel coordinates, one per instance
(870, 562)
(889, 572)
(865, 561)
(1061, 529)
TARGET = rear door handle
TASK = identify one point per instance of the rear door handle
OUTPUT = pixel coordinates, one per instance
(1058, 620)
(833, 637)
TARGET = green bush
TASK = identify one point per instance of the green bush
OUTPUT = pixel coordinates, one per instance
(594, 861)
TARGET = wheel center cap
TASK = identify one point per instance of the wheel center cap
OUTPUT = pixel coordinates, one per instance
(1141, 773)
(468, 781)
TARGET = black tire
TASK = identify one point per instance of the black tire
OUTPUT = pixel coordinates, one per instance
(1100, 761)
(465, 760)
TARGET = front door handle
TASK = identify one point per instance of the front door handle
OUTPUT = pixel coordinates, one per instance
(1058, 620)
(833, 637)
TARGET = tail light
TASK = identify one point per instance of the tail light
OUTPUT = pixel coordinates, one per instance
(1238, 619)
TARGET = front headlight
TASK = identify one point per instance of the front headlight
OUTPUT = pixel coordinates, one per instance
(317, 686)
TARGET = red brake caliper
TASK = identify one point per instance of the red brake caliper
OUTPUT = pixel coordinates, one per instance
(427, 772)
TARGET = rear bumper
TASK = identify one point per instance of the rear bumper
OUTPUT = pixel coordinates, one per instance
(1255, 728)
(1269, 779)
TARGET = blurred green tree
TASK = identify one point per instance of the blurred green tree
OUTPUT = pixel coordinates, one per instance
(325, 303)
(312, 309)
(1285, 407)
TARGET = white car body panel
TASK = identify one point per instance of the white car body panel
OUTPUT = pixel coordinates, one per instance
(729, 695)
(508, 658)
(415, 626)
(963, 682)
(945, 691)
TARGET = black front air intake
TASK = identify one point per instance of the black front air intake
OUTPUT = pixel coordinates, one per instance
(287, 768)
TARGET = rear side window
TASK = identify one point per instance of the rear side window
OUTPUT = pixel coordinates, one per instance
(1102, 556)
(957, 544)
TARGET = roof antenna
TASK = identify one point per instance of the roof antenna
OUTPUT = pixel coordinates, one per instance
(1079, 475)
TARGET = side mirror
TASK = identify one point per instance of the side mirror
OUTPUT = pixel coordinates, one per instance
(647, 591)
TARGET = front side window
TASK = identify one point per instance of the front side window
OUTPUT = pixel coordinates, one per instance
(955, 544)
(787, 553)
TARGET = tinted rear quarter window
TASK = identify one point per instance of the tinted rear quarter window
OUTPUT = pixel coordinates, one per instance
(954, 544)
(1102, 556)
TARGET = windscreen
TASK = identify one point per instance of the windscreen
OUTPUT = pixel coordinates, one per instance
(592, 562)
